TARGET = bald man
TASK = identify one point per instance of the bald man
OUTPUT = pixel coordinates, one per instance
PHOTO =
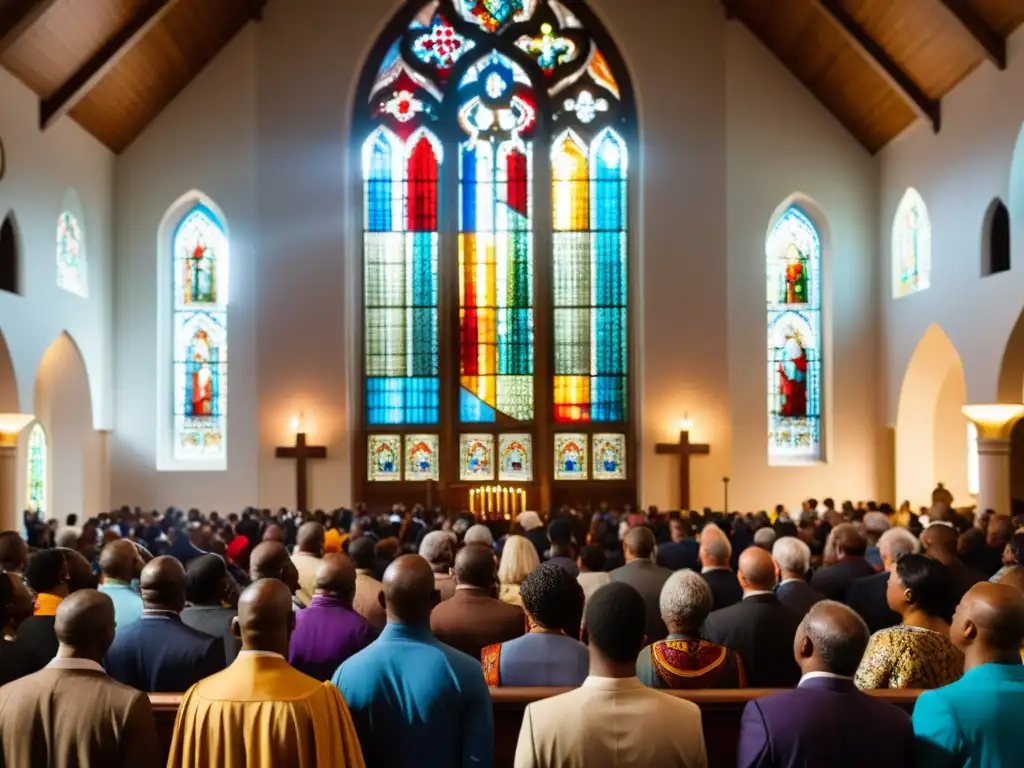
(849, 545)
(159, 653)
(71, 712)
(260, 712)
(759, 627)
(414, 700)
(939, 541)
(270, 560)
(826, 720)
(647, 578)
(976, 720)
(309, 548)
(329, 630)
(120, 564)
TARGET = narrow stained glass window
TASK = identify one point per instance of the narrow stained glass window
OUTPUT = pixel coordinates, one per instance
(200, 248)
(794, 339)
(71, 273)
(911, 246)
(37, 466)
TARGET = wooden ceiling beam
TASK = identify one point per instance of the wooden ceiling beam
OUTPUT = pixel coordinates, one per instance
(882, 62)
(991, 44)
(102, 62)
(20, 25)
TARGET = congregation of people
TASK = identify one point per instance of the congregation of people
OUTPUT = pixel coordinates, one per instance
(350, 638)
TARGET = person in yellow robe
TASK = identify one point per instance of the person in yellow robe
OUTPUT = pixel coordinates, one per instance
(260, 712)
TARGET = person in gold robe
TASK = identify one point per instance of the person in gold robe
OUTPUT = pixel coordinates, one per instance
(260, 712)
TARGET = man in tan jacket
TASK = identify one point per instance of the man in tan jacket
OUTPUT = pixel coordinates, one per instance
(71, 713)
(613, 719)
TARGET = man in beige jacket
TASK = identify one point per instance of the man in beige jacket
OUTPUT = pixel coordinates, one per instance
(613, 719)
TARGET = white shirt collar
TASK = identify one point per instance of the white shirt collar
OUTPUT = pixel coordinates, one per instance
(83, 665)
(755, 592)
(830, 675)
(708, 569)
(790, 581)
(260, 654)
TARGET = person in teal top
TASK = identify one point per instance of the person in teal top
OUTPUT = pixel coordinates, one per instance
(414, 700)
(120, 563)
(975, 722)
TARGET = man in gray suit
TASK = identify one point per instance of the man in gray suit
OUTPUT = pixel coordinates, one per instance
(645, 577)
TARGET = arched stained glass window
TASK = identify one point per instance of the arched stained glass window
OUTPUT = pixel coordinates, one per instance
(911, 246)
(36, 468)
(495, 158)
(71, 264)
(794, 339)
(200, 248)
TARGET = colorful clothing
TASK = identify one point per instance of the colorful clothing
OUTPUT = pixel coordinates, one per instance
(46, 604)
(681, 662)
(909, 657)
(536, 659)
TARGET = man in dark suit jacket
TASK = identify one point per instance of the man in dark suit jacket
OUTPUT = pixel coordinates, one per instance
(715, 553)
(759, 628)
(645, 577)
(939, 542)
(472, 619)
(682, 551)
(826, 720)
(850, 545)
(794, 559)
(867, 595)
(160, 654)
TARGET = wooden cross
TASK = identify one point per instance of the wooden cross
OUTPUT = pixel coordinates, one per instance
(684, 449)
(301, 453)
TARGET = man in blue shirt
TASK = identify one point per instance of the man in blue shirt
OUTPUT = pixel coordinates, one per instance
(120, 564)
(975, 721)
(414, 700)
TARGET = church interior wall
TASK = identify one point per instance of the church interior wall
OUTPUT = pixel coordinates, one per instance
(43, 170)
(784, 146)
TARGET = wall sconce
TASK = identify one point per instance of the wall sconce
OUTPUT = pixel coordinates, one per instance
(686, 423)
(298, 423)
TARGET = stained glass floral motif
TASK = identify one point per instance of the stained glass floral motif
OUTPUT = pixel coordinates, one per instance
(441, 46)
(609, 452)
(421, 457)
(794, 339)
(200, 248)
(911, 246)
(403, 106)
(476, 457)
(570, 457)
(515, 453)
(586, 107)
(549, 49)
(37, 466)
(384, 458)
(492, 15)
(71, 264)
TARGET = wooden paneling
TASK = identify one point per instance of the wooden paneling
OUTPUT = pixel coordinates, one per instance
(1003, 16)
(64, 38)
(158, 68)
(812, 48)
(922, 37)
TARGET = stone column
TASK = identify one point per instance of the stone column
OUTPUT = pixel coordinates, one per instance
(9, 481)
(994, 423)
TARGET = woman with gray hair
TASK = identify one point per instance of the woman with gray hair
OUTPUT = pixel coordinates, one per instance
(683, 660)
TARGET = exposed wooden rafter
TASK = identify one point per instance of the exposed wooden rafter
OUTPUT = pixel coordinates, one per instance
(19, 26)
(882, 62)
(991, 44)
(105, 59)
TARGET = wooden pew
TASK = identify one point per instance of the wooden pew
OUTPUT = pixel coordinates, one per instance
(721, 712)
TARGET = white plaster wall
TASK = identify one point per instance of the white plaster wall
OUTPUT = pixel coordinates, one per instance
(782, 141)
(205, 140)
(41, 167)
(958, 172)
(951, 441)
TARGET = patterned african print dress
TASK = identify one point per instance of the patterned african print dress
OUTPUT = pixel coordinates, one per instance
(682, 662)
(909, 657)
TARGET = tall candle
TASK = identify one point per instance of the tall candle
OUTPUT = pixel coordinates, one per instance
(472, 506)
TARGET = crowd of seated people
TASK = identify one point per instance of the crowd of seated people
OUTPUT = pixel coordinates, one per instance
(351, 638)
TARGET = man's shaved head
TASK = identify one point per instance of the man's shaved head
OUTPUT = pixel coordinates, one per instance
(270, 560)
(310, 539)
(639, 542)
(991, 618)
(163, 584)
(833, 636)
(474, 566)
(757, 568)
(120, 560)
(265, 618)
(85, 625)
(939, 538)
(337, 576)
(274, 532)
(409, 590)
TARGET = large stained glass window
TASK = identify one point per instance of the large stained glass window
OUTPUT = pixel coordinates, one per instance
(474, 279)
(200, 340)
(911, 246)
(35, 493)
(71, 273)
(794, 339)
